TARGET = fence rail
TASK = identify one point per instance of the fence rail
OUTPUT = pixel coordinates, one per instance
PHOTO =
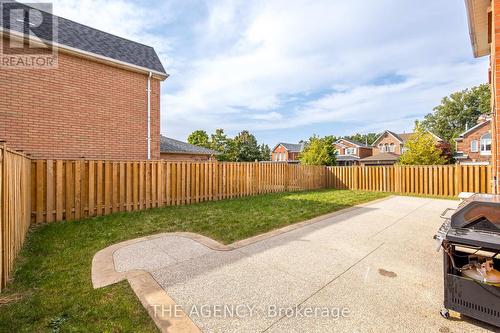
(74, 189)
(438, 180)
(15, 208)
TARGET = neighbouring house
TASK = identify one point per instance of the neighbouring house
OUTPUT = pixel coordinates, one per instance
(286, 152)
(175, 150)
(101, 101)
(484, 31)
(388, 147)
(350, 152)
(474, 145)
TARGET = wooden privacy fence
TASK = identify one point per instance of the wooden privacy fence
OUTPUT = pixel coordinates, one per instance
(55, 190)
(439, 180)
(15, 208)
(74, 189)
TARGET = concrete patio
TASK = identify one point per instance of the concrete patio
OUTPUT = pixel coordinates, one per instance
(368, 269)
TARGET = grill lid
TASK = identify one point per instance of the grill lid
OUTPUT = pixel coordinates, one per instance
(479, 212)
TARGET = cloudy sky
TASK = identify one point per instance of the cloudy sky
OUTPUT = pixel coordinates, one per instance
(288, 69)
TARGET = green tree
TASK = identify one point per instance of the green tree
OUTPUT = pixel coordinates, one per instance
(245, 148)
(199, 138)
(457, 111)
(319, 151)
(265, 153)
(421, 149)
(363, 138)
(221, 143)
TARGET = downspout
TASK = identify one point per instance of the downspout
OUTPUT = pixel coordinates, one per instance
(149, 115)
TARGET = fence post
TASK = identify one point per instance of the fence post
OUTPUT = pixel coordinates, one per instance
(287, 177)
(2, 208)
(458, 179)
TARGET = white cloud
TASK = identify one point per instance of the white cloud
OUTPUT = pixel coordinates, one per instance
(284, 48)
(127, 19)
(270, 65)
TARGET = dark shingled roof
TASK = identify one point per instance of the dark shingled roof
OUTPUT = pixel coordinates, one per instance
(91, 40)
(168, 145)
(293, 147)
(405, 136)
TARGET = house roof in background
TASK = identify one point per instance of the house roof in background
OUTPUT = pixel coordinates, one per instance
(396, 136)
(347, 158)
(402, 137)
(473, 129)
(356, 143)
(292, 147)
(89, 40)
(168, 145)
(382, 157)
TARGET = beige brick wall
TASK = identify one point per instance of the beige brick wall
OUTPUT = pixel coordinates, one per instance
(82, 109)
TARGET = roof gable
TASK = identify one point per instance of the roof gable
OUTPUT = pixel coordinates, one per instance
(474, 129)
(402, 137)
(387, 132)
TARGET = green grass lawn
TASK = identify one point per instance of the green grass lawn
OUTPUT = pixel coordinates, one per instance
(52, 291)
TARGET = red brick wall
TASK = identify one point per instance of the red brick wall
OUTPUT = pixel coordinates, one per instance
(289, 155)
(293, 156)
(495, 93)
(465, 145)
(365, 152)
(82, 109)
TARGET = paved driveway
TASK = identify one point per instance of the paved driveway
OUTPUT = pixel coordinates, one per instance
(371, 269)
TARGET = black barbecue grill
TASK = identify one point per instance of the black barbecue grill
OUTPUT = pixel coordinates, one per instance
(470, 239)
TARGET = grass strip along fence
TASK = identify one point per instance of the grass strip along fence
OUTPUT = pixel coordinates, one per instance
(15, 208)
(43, 190)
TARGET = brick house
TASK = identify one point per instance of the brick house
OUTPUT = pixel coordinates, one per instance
(388, 147)
(286, 152)
(474, 145)
(175, 150)
(484, 31)
(350, 152)
(102, 101)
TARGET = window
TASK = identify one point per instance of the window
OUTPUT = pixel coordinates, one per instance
(485, 144)
(473, 146)
(350, 151)
(392, 148)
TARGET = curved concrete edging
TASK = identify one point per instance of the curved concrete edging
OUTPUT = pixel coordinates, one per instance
(149, 291)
